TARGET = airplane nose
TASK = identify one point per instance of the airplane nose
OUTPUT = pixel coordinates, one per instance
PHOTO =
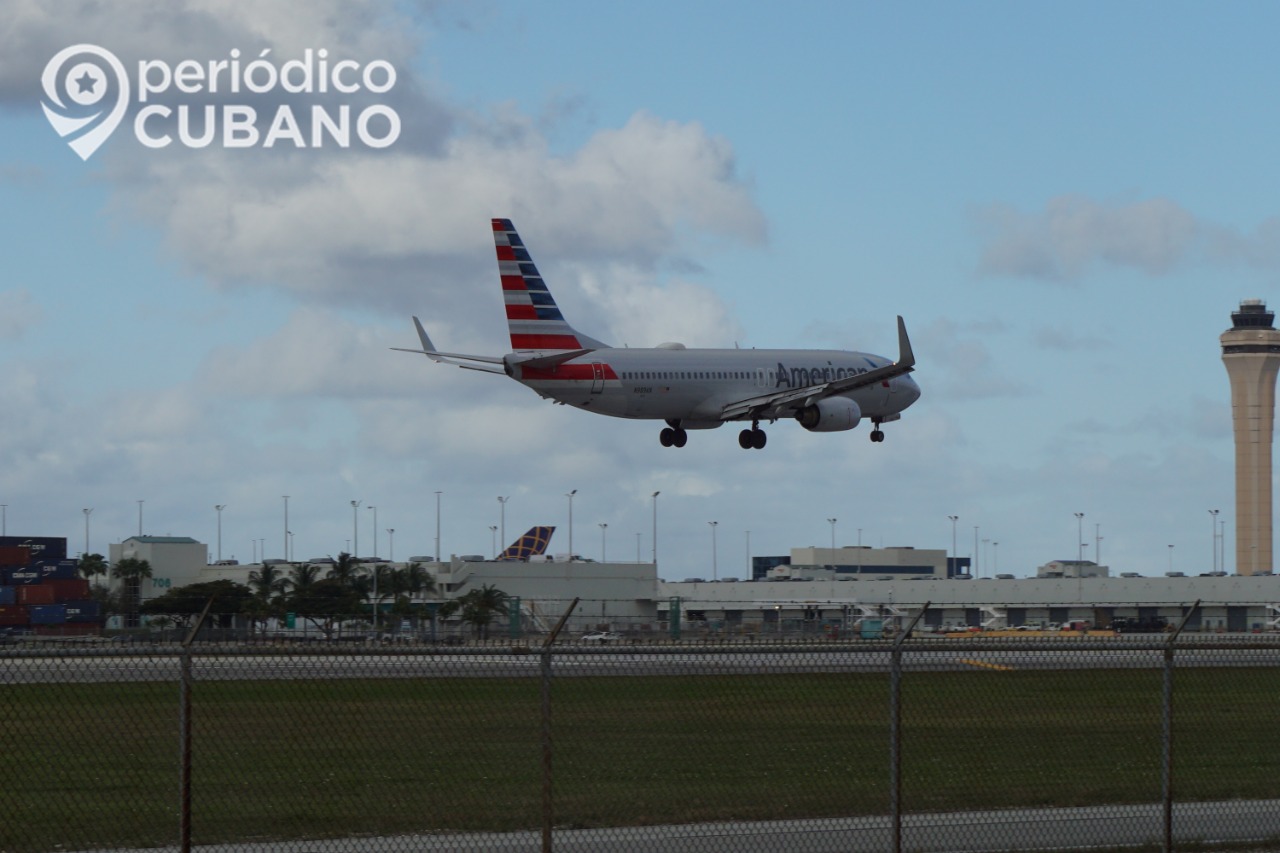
(911, 388)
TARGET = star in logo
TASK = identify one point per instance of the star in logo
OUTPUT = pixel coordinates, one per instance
(86, 82)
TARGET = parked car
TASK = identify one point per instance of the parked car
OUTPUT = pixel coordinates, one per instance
(601, 637)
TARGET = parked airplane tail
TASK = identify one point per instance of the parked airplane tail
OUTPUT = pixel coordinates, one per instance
(532, 544)
(533, 318)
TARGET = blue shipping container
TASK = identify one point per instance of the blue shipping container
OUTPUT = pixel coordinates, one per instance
(8, 595)
(63, 571)
(83, 611)
(40, 547)
(47, 614)
(19, 577)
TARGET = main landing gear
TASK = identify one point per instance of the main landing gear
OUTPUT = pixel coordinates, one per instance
(877, 434)
(673, 437)
(752, 439)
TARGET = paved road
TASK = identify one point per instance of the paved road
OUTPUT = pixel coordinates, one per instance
(104, 665)
(961, 832)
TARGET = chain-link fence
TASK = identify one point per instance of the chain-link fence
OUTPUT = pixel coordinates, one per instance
(941, 743)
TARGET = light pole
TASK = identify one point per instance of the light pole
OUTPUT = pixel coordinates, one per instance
(438, 557)
(502, 523)
(493, 540)
(355, 529)
(570, 495)
(1213, 522)
(638, 537)
(286, 527)
(375, 532)
(1079, 537)
(139, 518)
(1097, 543)
(86, 511)
(219, 508)
(4, 519)
(976, 570)
(714, 572)
(288, 551)
(655, 528)
(1170, 558)
(832, 522)
(604, 526)
(995, 557)
(954, 556)
(391, 538)
(750, 574)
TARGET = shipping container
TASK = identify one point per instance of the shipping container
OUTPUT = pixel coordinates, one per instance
(20, 577)
(37, 547)
(11, 556)
(47, 614)
(60, 570)
(84, 611)
(37, 594)
(8, 595)
(14, 614)
(69, 629)
(68, 590)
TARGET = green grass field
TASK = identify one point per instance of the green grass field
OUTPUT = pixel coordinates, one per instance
(97, 765)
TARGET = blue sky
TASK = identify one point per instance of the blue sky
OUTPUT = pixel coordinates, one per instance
(1064, 202)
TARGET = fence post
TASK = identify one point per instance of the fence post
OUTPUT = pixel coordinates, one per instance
(1167, 744)
(895, 728)
(184, 733)
(548, 813)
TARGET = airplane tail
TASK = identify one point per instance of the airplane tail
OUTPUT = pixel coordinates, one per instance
(533, 318)
(532, 544)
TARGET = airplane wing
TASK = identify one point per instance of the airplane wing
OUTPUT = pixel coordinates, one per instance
(794, 398)
(487, 363)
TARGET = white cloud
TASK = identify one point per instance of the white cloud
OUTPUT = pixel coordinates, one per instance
(19, 313)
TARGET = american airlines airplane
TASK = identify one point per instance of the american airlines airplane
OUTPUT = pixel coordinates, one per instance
(824, 390)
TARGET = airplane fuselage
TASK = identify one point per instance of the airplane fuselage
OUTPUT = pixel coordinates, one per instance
(693, 386)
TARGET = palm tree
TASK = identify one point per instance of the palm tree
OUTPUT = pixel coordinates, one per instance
(130, 572)
(302, 576)
(92, 565)
(479, 606)
(345, 569)
(269, 585)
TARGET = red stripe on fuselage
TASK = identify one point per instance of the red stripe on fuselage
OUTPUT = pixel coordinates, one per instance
(544, 342)
(580, 372)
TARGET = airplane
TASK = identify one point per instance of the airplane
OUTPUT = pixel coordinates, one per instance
(689, 389)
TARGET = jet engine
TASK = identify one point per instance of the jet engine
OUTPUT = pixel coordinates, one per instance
(830, 414)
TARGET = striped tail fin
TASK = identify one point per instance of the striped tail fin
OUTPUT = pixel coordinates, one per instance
(532, 544)
(533, 318)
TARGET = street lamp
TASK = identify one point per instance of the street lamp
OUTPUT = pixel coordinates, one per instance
(570, 495)
(655, 528)
(1170, 558)
(493, 540)
(375, 532)
(286, 527)
(139, 518)
(438, 558)
(954, 557)
(713, 525)
(502, 525)
(1079, 537)
(355, 529)
(1213, 523)
(604, 526)
(832, 522)
(391, 536)
(86, 512)
(288, 550)
(995, 557)
(219, 508)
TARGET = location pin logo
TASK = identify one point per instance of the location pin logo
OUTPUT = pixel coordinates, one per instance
(86, 94)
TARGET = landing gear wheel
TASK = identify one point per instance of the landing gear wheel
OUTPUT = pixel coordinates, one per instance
(758, 438)
(680, 437)
(667, 436)
(746, 440)
(877, 435)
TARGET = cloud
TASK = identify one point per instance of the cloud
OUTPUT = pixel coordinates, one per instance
(18, 314)
(1074, 233)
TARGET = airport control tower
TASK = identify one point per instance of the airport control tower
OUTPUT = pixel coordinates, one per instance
(1251, 352)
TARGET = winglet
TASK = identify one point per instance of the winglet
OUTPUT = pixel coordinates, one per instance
(906, 358)
(429, 347)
